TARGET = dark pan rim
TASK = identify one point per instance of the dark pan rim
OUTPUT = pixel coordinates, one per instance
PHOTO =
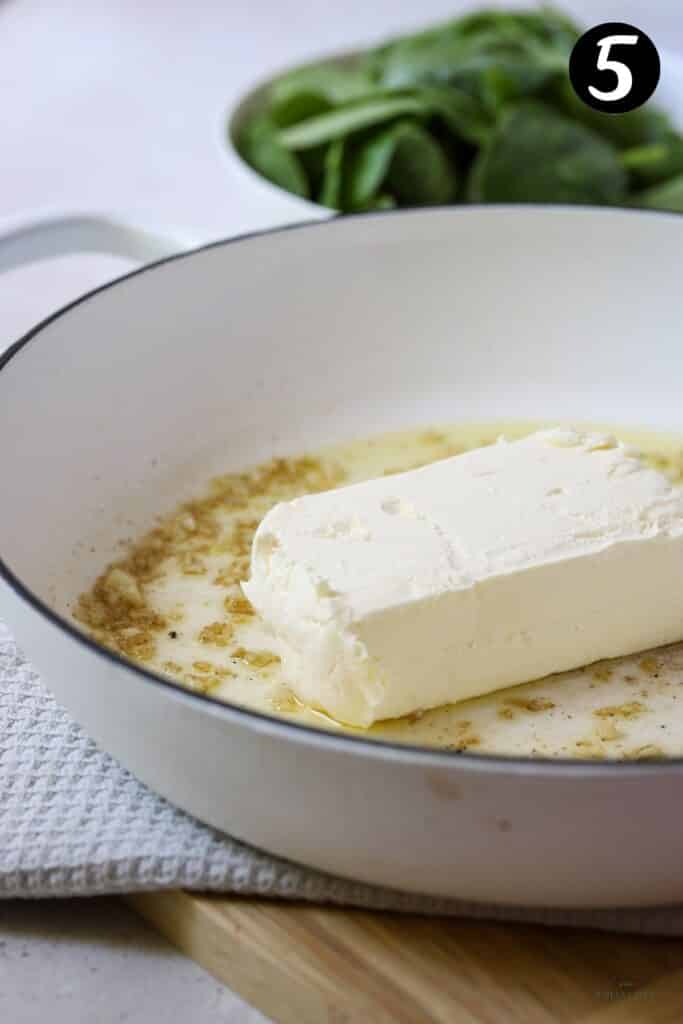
(380, 748)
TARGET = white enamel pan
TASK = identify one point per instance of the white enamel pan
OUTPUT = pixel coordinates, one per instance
(125, 402)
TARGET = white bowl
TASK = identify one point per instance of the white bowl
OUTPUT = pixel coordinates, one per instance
(668, 96)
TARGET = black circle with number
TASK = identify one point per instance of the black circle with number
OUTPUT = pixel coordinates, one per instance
(614, 67)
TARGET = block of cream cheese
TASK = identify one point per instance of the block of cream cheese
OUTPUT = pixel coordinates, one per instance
(491, 568)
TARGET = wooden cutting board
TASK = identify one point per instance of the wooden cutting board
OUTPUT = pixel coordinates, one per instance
(315, 965)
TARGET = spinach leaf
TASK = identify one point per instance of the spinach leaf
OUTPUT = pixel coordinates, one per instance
(420, 173)
(297, 107)
(350, 118)
(313, 163)
(547, 25)
(382, 202)
(537, 155)
(368, 166)
(464, 116)
(636, 128)
(330, 193)
(525, 47)
(332, 84)
(668, 196)
(521, 65)
(404, 160)
(655, 161)
(259, 146)
(424, 57)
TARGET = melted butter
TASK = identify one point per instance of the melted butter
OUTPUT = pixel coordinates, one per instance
(630, 707)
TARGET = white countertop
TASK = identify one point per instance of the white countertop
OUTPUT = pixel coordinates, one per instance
(118, 108)
(93, 961)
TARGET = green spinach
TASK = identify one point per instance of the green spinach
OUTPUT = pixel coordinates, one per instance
(538, 155)
(259, 146)
(477, 109)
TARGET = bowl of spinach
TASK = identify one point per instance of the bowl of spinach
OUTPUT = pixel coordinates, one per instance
(479, 109)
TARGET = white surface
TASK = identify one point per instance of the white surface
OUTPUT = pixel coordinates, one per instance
(488, 569)
(94, 960)
(113, 105)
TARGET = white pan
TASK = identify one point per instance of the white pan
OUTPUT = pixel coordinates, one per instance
(125, 402)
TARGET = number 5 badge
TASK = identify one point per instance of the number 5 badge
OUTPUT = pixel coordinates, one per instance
(614, 67)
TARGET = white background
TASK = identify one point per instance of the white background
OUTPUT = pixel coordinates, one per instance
(119, 107)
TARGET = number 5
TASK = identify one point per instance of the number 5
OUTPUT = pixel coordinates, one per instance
(623, 73)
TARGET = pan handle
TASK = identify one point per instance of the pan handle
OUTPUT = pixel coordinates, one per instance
(30, 239)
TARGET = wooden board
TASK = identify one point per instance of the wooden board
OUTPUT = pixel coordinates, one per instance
(315, 965)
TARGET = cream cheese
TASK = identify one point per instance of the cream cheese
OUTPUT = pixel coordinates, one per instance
(477, 572)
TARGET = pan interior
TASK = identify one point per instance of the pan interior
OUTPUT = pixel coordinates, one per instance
(191, 622)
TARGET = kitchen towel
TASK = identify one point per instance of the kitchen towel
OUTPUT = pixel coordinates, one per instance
(74, 822)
